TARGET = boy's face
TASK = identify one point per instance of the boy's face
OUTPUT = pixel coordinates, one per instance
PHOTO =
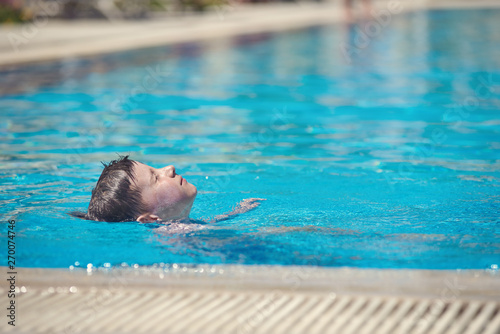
(168, 195)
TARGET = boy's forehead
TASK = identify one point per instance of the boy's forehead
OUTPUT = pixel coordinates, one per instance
(141, 171)
(139, 166)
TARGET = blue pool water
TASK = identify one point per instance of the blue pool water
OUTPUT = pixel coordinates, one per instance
(386, 158)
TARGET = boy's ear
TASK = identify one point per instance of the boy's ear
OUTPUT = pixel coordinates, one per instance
(147, 218)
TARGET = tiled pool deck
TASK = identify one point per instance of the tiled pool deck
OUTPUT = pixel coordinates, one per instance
(234, 299)
(254, 299)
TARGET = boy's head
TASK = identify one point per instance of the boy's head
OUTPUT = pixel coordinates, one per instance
(128, 190)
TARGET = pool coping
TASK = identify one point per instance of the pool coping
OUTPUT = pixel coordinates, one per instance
(50, 39)
(475, 284)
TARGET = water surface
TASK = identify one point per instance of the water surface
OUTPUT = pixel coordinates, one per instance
(387, 158)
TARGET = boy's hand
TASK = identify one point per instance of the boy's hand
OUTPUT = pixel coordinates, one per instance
(242, 207)
(249, 204)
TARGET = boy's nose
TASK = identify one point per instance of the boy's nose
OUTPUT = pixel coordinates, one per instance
(169, 171)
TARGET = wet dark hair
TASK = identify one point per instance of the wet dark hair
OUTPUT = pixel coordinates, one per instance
(115, 198)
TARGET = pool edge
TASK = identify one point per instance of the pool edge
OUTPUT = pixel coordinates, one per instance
(55, 40)
(476, 284)
(253, 299)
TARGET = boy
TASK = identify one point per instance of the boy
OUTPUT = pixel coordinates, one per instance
(128, 190)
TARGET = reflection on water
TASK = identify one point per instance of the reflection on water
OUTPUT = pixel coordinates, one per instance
(388, 158)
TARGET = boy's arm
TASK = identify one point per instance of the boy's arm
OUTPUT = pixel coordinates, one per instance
(244, 206)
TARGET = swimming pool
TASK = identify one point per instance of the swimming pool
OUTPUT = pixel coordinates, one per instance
(384, 156)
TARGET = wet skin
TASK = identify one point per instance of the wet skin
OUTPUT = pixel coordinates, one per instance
(168, 195)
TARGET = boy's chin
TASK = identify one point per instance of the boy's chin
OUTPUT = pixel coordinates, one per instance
(193, 190)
